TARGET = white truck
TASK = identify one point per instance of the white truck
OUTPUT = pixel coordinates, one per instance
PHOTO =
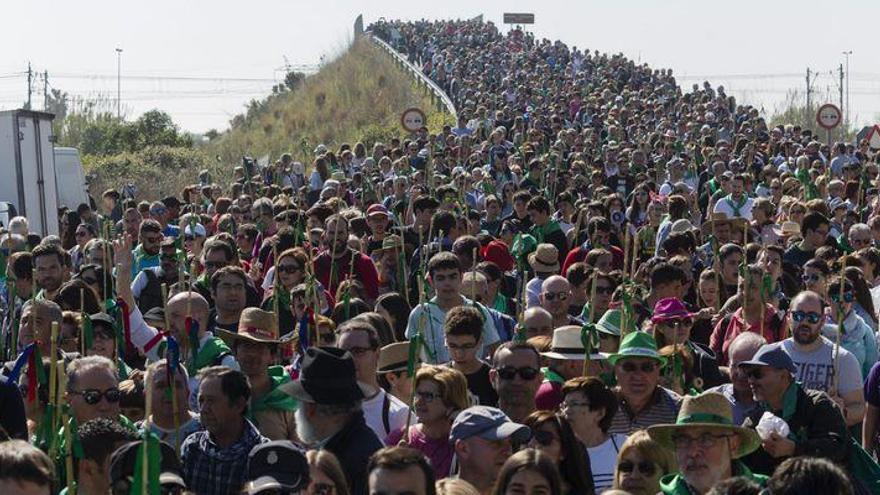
(35, 177)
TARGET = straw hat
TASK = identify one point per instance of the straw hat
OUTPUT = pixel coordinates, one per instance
(254, 325)
(720, 218)
(567, 344)
(545, 259)
(707, 410)
(790, 228)
(394, 357)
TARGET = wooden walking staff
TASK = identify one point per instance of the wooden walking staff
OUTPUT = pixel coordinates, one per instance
(635, 257)
(82, 321)
(588, 340)
(53, 383)
(840, 329)
(145, 465)
(715, 250)
(626, 245)
(276, 285)
(68, 436)
(175, 416)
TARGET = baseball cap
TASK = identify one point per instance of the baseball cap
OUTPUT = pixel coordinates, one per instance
(772, 355)
(277, 465)
(488, 423)
(122, 463)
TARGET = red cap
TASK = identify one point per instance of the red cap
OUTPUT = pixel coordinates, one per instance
(497, 252)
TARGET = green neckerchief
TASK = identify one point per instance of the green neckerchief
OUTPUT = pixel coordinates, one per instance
(552, 376)
(843, 244)
(789, 401)
(736, 207)
(713, 186)
(540, 232)
(810, 189)
(275, 399)
(122, 369)
(500, 303)
(207, 354)
(674, 483)
(585, 313)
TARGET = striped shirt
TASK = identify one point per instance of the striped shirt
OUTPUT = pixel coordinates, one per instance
(603, 460)
(662, 409)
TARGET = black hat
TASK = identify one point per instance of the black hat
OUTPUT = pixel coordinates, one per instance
(155, 314)
(328, 377)
(171, 202)
(122, 463)
(103, 318)
(277, 465)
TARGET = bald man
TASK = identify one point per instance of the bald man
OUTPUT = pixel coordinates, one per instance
(537, 321)
(212, 351)
(555, 292)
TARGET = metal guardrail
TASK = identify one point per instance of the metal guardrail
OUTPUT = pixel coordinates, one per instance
(438, 96)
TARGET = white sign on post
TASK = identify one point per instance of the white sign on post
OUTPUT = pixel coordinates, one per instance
(828, 116)
(413, 119)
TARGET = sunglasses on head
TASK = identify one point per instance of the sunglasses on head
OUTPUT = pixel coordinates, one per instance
(509, 373)
(92, 396)
(646, 468)
(631, 367)
(811, 316)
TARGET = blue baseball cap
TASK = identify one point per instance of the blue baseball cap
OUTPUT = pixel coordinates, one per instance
(488, 423)
(772, 355)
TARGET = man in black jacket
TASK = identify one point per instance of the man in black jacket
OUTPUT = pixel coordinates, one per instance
(816, 424)
(330, 414)
(12, 414)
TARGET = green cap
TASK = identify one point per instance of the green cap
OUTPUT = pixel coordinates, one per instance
(610, 323)
(637, 344)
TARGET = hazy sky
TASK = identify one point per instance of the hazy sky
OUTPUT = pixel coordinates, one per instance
(172, 49)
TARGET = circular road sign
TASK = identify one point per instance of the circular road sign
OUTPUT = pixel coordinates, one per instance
(828, 116)
(413, 119)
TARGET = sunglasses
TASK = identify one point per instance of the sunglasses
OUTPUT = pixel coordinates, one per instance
(812, 316)
(544, 437)
(633, 367)
(810, 278)
(646, 468)
(93, 396)
(509, 373)
(550, 296)
(289, 268)
(754, 373)
(677, 322)
(847, 296)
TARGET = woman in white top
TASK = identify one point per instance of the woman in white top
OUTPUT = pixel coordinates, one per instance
(589, 406)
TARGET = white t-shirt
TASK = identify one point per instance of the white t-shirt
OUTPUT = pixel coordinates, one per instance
(433, 334)
(722, 206)
(816, 368)
(397, 412)
(603, 459)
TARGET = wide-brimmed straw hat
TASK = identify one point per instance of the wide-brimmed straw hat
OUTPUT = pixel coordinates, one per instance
(394, 358)
(567, 344)
(707, 410)
(254, 325)
(545, 259)
(720, 218)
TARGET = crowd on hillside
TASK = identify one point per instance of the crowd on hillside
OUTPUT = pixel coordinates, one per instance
(594, 282)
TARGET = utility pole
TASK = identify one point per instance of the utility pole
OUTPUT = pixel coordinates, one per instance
(846, 114)
(119, 83)
(840, 86)
(45, 91)
(30, 85)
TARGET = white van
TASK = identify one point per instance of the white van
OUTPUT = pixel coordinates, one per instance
(70, 178)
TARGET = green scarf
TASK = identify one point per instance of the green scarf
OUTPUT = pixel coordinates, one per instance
(500, 303)
(674, 484)
(208, 354)
(736, 207)
(552, 376)
(275, 399)
(540, 232)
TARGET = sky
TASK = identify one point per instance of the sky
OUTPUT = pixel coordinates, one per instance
(203, 61)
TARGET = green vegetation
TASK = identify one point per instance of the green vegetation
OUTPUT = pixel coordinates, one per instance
(357, 97)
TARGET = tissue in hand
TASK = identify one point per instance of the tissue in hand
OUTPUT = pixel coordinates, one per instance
(770, 423)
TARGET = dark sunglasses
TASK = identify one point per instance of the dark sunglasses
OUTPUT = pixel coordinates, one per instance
(289, 268)
(633, 367)
(807, 278)
(93, 396)
(847, 296)
(550, 296)
(677, 322)
(509, 373)
(812, 316)
(755, 373)
(647, 468)
(543, 437)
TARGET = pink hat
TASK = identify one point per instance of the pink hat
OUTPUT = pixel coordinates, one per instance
(670, 308)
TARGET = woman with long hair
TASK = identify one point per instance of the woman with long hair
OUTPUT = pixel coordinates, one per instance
(290, 268)
(528, 471)
(641, 463)
(552, 435)
(637, 212)
(440, 393)
(864, 303)
(858, 336)
(326, 476)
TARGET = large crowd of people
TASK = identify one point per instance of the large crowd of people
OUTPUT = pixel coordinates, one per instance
(594, 282)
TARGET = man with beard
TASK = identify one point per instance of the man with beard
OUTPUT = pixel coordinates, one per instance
(737, 204)
(146, 254)
(515, 376)
(555, 292)
(48, 260)
(545, 228)
(813, 355)
(255, 347)
(599, 236)
(333, 265)
(707, 446)
(147, 285)
(815, 420)
(330, 416)
(214, 459)
(738, 392)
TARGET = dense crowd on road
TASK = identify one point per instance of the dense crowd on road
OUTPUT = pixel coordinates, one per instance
(594, 282)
